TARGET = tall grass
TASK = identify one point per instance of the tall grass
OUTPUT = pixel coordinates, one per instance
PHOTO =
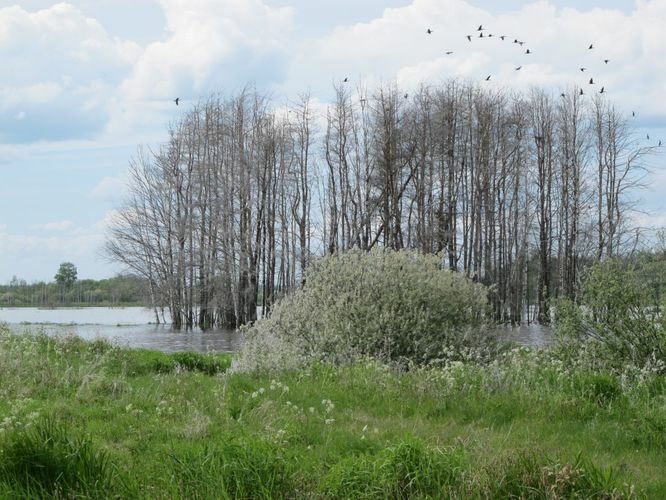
(46, 462)
(409, 470)
(232, 468)
(96, 420)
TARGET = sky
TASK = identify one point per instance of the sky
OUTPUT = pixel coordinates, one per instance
(84, 83)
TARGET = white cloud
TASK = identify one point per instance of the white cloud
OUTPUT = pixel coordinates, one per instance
(37, 93)
(202, 35)
(75, 96)
(59, 73)
(396, 46)
(56, 226)
(37, 256)
(653, 220)
(109, 188)
(19, 244)
(107, 221)
(65, 35)
(209, 46)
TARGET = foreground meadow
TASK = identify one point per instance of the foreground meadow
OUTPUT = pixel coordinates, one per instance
(90, 420)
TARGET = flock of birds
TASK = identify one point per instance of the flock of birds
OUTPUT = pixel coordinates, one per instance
(481, 30)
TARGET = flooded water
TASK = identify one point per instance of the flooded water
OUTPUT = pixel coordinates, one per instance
(134, 327)
(534, 334)
(126, 326)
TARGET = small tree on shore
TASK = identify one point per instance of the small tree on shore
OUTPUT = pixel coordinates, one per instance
(66, 275)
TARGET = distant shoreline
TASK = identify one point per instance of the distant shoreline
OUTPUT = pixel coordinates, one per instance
(76, 306)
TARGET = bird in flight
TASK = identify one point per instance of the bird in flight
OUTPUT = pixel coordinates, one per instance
(591, 46)
(606, 61)
(469, 38)
(448, 52)
(429, 31)
(176, 100)
(503, 37)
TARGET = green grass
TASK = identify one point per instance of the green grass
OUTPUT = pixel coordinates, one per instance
(46, 461)
(89, 420)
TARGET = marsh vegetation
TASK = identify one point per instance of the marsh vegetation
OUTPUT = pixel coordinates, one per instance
(460, 416)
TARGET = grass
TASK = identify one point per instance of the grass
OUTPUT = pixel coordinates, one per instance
(46, 461)
(90, 420)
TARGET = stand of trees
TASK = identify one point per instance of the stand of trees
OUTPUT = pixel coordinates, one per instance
(517, 191)
(117, 291)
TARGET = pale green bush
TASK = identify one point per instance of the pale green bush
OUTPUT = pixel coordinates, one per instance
(616, 316)
(392, 306)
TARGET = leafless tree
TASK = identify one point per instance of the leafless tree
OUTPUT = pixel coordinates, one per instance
(515, 190)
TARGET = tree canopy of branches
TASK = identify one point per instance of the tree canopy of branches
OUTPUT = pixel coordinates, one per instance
(516, 190)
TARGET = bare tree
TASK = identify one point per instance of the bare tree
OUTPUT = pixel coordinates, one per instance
(230, 211)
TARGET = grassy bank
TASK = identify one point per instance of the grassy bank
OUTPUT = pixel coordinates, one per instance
(92, 420)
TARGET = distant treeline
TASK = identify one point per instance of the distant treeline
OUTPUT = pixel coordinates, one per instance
(122, 290)
(519, 191)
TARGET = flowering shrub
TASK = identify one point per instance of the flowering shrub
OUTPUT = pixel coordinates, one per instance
(393, 306)
(617, 315)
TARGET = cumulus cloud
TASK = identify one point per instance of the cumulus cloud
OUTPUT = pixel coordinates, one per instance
(396, 46)
(109, 189)
(59, 69)
(209, 46)
(69, 86)
(210, 42)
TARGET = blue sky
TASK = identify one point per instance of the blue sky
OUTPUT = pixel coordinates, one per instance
(85, 82)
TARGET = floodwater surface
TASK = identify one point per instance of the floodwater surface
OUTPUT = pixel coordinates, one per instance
(135, 327)
(125, 326)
